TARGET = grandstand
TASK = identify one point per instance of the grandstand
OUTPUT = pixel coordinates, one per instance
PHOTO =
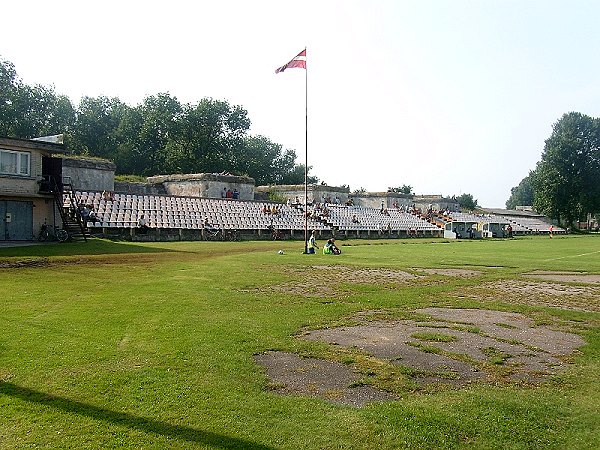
(357, 218)
(533, 225)
(179, 217)
(526, 222)
(251, 218)
(492, 224)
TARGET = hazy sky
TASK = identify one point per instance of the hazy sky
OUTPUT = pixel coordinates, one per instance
(449, 97)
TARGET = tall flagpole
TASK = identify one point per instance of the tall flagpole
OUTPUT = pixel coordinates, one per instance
(306, 157)
(301, 63)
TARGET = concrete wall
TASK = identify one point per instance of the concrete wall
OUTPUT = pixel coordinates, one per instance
(388, 200)
(127, 187)
(205, 185)
(437, 202)
(90, 174)
(317, 193)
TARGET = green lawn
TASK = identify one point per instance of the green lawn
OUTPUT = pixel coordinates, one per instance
(122, 345)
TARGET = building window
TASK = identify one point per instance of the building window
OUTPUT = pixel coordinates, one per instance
(14, 163)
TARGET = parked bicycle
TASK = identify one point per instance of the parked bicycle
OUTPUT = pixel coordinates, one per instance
(231, 235)
(213, 234)
(276, 235)
(53, 233)
(221, 235)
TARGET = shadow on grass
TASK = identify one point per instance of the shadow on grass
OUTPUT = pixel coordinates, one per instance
(128, 420)
(91, 247)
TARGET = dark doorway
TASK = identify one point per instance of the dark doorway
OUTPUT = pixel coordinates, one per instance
(52, 173)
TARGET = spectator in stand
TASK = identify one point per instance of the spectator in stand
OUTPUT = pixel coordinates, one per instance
(209, 226)
(236, 194)
(229, 194)
(142, 224)
(224, 193)
(92, 217)
(84, 212)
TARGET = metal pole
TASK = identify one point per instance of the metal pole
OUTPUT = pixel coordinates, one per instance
(306, 157)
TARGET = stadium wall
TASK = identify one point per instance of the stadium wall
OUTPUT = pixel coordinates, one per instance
(89, 174)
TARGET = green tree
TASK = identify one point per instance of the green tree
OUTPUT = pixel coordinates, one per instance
(210, 138)
(466, 201)
(404, 189)
(566, 179)
(261, 159)
(96, 130)
(8, 92)
(160, 125)
(129, 148)
(522, 194)
(31, 111)
(158, 136)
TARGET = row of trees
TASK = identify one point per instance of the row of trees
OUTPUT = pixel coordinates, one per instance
(159, 136)
(565, 184)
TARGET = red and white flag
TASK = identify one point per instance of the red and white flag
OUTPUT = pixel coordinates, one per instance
(299, 61)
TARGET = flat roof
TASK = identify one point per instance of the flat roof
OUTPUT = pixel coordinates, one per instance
(32, 145)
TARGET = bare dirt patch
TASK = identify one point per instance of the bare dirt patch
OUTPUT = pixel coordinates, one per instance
(335, 382)
(19, 263)
(461, 273)
(581, 298)
(365, 275)
(327, 281)
(569, 277)
(448, 346)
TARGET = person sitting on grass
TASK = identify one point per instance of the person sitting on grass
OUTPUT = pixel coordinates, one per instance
(330, 248)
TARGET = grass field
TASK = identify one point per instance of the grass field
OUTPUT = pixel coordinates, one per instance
(122, 345)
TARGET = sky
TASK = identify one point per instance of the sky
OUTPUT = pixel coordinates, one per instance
(447, 96)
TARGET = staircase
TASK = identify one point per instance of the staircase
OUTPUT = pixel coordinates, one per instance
(70, 216)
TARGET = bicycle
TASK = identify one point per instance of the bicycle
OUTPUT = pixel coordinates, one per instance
(51, 232)
(276, 235)
(231, 235)
(212, 234)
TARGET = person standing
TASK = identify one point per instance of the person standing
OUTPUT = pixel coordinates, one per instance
(312, 243)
